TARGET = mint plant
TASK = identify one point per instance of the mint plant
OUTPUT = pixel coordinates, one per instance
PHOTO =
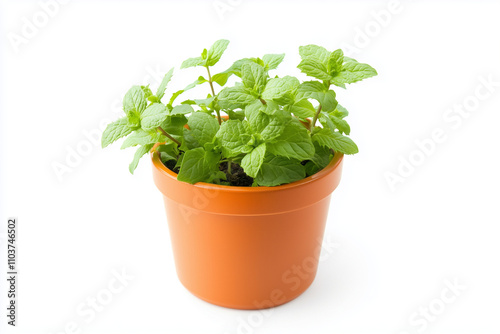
(276, 130)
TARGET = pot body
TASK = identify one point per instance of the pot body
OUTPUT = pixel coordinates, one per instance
(247, 247)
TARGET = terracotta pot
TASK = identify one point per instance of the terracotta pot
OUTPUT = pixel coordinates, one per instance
(247, 247)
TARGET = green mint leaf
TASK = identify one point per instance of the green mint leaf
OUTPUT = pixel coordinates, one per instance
(354, 72)
(254, 76)
(182, 109)
(335, 141)
(236, 114)
(193, 62)
(202, 130)
(317, 91)
(340, 112)
(341, 124)
(279, 170)
(221, 78)
(269, 127)
(271, 61)
(163, 85)
(174, 125)
(134, 104)
(141, 137)
(234, 136)
(315, 69)
(168, 151)
(322, 156)
(302, 109)
(281, 90)
(314, 52)
(294, 142)
(198, 165)
(215, 52)
(235, 97)
(114, 131)
(147, 91)
(204, 102)
(252, 162)
(335, 62)
(153, 116)
(138, 155)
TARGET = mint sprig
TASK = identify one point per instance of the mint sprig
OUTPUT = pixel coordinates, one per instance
(278, 129)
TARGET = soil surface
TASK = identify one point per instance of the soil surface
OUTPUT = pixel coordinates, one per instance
(237, 178)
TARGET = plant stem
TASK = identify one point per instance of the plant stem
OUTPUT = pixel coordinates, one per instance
(229, 163)
(263, 101)
(213, 93)
(169, 136)
(315, 118)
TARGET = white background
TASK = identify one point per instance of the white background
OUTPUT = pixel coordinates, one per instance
(393, 249)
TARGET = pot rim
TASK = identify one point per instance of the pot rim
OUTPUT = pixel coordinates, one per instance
(332, 165)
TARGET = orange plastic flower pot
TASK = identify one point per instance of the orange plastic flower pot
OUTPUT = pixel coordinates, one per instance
(247, 247)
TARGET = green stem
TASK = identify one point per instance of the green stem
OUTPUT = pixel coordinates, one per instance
(315, 118)
(213, 93)
(169, 136)
(229, 163)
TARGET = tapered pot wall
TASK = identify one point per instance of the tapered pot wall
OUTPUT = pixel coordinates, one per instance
(247, 247)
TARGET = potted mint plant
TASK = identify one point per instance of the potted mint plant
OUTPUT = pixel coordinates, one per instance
(247, 170)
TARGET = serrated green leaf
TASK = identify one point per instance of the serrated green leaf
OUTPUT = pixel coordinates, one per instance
(141, 151)
(204, 102)
(235, 97)
(335, 141)
(163, 85)
(315, 69)
(134, 103)
(302, 109)
(238, 114)
(202, 130)
(215, 52)
(153, 116)
(354, 72)
(271, 61)
(341, 125)
(281, 90)
(269, 127)
(340, 112)
(233, 136)
(141, 137)
(335, 61)
(193, 62)
(221, 78)
(182, 109)
(294, 142)
(279, 170)
(168, 151)
(317, 91)
(198, 165)
(252, 162)
(322, 156)
(174, 124)
(253, 76)
(318, 53)
(114, 131)
(147, 91)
